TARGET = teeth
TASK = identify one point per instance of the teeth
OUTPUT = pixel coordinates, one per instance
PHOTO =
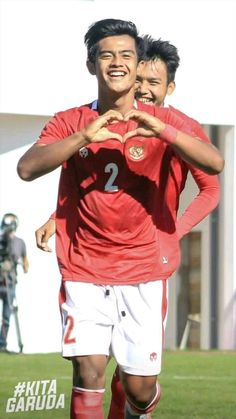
(116, 73)
(145, 100)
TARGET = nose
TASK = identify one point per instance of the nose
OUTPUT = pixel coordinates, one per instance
(142, 87)
(116, 60)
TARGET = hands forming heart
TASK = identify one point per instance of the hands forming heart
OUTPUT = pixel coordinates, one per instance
(145, 125)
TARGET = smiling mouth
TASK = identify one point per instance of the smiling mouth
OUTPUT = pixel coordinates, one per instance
(146, 100)
(116, 74)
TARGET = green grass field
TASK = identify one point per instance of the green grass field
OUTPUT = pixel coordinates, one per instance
(195, 385)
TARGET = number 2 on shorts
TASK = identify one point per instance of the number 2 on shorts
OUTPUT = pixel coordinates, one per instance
(69, 328)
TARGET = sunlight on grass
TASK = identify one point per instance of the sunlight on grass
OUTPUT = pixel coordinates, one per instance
(195, 385)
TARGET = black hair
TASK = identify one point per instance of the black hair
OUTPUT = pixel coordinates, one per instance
(110, 27)
(163, 50)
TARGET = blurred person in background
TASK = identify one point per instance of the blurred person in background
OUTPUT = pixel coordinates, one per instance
(12, 253)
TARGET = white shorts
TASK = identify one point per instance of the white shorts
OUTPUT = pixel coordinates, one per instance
(125, 321)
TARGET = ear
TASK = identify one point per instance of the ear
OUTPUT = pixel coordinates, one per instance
(91, 67)
(171, 88)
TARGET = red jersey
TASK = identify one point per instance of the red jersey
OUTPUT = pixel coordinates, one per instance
(117, 203)
(209, 187)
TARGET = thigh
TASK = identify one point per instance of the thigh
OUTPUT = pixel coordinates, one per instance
(138, 338)
(87, 326)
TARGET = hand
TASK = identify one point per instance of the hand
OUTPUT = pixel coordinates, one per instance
(97, 132)
(148, 125)
(43, 234)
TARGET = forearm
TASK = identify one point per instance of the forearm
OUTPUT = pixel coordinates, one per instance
(202, 155)
(41, 159)
(203, 204)
(25, 264)
(177, 134)
(192, 150)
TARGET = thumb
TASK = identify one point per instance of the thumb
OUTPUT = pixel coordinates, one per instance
(115, 136)
(130, 134)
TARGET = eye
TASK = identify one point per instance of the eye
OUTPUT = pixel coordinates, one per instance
(126, 55)
(105, 55)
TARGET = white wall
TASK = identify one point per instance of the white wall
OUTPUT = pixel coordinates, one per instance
(43, 70)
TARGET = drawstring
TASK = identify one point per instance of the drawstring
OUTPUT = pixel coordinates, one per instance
(119, 300)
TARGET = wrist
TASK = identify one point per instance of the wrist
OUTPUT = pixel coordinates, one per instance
(84, 139)
(169, 134)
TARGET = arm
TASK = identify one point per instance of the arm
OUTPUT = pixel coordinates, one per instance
(202, 205)
(42, 158)
(23, 257)
(190, 148)
(25, 264)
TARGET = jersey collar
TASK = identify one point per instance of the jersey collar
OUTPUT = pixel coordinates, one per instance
(94, 105)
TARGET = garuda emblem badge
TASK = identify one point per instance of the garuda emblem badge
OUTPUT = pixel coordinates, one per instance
(136, 152)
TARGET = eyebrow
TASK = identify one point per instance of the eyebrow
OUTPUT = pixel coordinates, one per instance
(112, 51)
(149, 78)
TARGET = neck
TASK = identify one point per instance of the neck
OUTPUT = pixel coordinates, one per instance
(120, 103)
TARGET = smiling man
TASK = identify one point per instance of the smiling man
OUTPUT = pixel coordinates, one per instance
(156, 80)
(116, 213)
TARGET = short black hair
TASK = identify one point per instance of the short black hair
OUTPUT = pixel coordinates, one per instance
(110, 27)
(163, 50)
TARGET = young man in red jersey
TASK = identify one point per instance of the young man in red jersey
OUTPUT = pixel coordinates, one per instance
(155, 80)
(116, 237)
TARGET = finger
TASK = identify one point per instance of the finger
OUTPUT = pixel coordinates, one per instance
(47, 235)
(115, 136)
(141, 132)
(46, 248)
(133, 113)
(130, 134)
(39, 235)
(44, 242)
(41, 242)
(113, 116)
(113, 119)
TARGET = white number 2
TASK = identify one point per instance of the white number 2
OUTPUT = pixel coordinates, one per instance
(113, 169)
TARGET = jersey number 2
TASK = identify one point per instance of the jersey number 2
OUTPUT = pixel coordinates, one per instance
(113, 169)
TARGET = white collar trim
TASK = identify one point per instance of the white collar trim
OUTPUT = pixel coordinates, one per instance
(94, 105)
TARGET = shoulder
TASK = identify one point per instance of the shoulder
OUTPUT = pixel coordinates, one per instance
(192, 123)
(18, 241)
(75, 112)
(157, 111)
(185, 117)
(65, 123)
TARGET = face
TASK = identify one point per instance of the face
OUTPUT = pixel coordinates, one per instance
(116, 64)
(151, 82)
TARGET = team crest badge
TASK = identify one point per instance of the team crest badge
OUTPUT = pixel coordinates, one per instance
(153, 356)
(83, 152)
(136, 152)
